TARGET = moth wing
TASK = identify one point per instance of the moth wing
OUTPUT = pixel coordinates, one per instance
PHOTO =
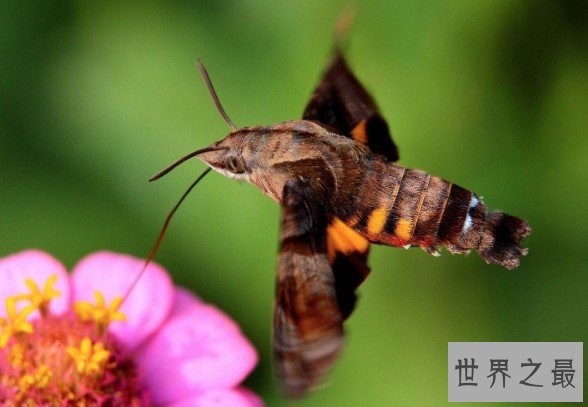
(308, 324)
(340, 102)
(348, 253)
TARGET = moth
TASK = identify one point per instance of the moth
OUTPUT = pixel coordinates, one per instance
(335, 175)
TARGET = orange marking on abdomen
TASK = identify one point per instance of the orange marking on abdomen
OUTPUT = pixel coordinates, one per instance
(376, 222)
(404, 229)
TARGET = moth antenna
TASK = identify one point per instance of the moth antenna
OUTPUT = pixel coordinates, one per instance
(343, 26)
(162, 235)
(185, 158)
(213, 94)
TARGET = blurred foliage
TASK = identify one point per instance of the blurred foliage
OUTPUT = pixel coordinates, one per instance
(97, 96)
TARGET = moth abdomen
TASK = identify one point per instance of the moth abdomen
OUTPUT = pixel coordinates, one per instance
(500, 241)
(409, 207)
(466, 224)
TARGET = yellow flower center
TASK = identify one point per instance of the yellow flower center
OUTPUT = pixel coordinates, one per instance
(63, 360)
(16, 355)
(40, 299)
(90, 358)
(39, 380)
(16, 321)
(101, 314)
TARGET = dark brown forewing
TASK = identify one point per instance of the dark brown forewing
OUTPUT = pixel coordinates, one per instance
(340, 102)
(348, 252)
(308, 325)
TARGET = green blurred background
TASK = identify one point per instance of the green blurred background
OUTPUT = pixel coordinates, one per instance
(98, 96)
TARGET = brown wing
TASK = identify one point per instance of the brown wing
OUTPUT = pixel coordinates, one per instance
(342, 103)
(308, 324)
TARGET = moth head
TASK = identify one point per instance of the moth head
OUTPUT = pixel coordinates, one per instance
(230, 156)
(226, 157)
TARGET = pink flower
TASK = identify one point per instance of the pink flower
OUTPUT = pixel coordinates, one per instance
(160, 345)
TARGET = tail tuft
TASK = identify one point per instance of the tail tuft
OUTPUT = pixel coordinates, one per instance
(500, 242)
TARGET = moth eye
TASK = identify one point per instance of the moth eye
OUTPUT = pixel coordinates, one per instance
(235, 164)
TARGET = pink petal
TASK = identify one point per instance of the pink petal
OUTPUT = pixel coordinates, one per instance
(221, 398)
(198, 350)
(39, 266)
(146, 308)
(254, 399)
(184, 300)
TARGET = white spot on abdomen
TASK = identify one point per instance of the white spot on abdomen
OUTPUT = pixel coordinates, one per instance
(468, 220)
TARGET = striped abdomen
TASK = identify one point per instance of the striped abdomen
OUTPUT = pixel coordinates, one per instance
(400, 207)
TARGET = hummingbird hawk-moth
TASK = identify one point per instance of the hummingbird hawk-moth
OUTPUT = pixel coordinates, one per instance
(335, 176)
